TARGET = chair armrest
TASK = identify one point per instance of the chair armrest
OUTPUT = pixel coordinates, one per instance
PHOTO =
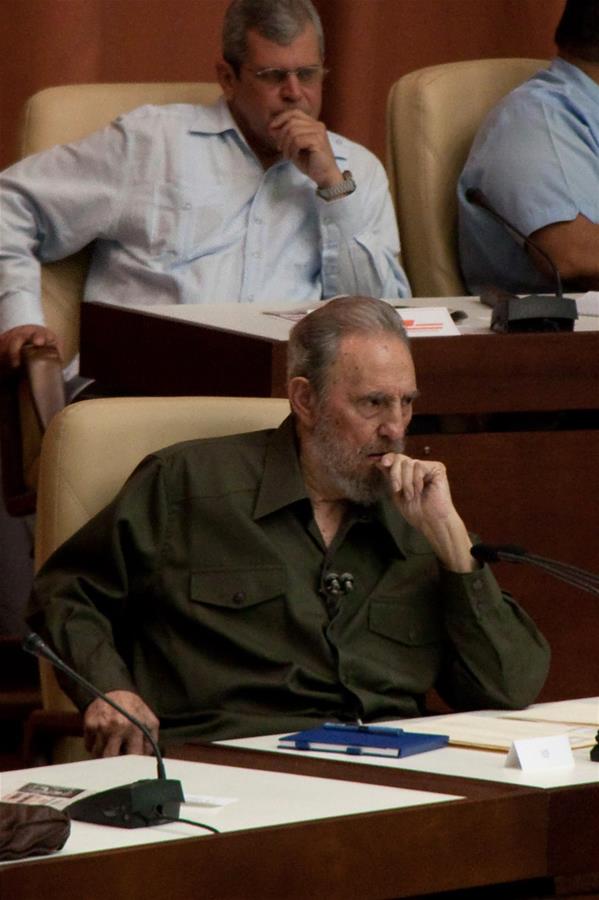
(38, 384)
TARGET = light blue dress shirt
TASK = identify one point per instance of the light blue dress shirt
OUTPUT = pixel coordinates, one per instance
(536, 158)
(181, 211)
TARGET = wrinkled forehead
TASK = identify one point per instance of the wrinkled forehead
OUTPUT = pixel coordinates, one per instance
(380, 361)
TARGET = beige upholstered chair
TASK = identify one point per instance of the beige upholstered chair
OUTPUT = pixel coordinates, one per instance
(80, 472)
(433, 115)
(54, 116)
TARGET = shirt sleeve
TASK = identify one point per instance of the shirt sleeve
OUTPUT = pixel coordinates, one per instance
(359, 238)
(82, 596)
(53, 204)
(496, 657)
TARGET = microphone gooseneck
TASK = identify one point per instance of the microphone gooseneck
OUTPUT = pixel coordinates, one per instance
(34, 644)
(478, 198)
(137, 805)
(572, 575)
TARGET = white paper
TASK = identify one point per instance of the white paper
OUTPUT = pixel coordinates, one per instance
(428, 321)
(588, 304)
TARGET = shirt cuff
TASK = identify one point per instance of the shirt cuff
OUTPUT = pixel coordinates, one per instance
(20, 309)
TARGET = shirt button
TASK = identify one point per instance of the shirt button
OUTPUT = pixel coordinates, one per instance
(256, 254)
(187, 206)
(258, 220)
(239, 597)
(477, 585)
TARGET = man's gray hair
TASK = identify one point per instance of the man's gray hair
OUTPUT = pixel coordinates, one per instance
(314, 341)
(279, 21)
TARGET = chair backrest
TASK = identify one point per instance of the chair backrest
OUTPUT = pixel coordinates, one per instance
(91, 448)
(433, 115)
(58, 115)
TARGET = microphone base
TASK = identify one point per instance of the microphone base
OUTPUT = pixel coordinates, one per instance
(533, 313)
(151, 801)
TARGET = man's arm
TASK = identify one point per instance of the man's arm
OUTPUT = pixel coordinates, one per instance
(359, 237)
(88, 600)
(53, 204)
(574, 248)
(495, 657)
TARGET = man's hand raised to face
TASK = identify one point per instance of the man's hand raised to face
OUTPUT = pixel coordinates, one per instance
(304, 140)
(421, 492)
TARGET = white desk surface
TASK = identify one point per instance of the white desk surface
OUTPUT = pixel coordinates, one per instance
(245, 318)
(458, 761)
(261, 798)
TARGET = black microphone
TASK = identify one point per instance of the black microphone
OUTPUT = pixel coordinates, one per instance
(150, 801)
(572, 575)
(535, 312)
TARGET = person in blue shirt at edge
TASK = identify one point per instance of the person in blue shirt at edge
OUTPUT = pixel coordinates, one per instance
(266, 582)
(536, 157)
(249, 200)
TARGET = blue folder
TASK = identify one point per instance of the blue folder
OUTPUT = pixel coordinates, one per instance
(362, 740)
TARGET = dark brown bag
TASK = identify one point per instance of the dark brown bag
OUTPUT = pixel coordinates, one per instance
(31, 830)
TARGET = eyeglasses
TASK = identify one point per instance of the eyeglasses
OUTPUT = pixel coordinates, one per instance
(276, 77)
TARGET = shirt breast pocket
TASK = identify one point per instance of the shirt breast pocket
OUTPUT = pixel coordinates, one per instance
(237, 589)
(410, 619)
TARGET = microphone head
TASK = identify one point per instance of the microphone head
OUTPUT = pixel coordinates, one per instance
(32, 643)
(495, 553)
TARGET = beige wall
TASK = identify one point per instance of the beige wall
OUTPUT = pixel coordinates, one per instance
(371, 43)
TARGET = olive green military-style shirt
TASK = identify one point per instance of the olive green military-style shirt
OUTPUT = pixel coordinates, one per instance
(202, 587)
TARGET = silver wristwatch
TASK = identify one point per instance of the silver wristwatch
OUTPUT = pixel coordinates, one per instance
(347, 186)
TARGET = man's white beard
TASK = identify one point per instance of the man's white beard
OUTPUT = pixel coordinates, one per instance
(343, 468)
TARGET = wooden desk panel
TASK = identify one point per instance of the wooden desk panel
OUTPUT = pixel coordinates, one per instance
(496, 834)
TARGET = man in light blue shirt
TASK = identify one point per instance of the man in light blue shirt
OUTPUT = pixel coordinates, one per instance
(536, 158)
(250, 200)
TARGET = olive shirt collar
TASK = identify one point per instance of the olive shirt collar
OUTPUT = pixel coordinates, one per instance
(283, 484)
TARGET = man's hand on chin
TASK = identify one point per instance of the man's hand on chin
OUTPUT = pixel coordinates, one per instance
(304, 140)
(422, 495)
(108, 733)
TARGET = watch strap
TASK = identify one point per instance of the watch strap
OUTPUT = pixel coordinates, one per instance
(347, 186)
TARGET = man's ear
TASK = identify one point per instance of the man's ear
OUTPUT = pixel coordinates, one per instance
(226, 78)
(303, 400)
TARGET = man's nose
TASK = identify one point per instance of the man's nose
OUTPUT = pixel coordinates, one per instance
(291, 88)
(393, 426)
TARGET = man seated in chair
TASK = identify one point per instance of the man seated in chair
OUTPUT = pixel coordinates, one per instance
(536, 158)
(250, 200)
(265, 582)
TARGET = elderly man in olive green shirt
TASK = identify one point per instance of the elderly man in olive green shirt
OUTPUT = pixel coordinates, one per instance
(269, 581)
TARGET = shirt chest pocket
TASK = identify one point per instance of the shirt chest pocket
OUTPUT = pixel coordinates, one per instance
(237, 588)
(167, 221)
(410, 619)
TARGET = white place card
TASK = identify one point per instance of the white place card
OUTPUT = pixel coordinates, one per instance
(534, 754)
